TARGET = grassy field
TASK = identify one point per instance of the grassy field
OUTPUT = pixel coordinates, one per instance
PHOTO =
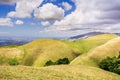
(62, 72)
(84, 55)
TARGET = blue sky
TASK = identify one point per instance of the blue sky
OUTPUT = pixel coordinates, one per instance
(31, 26)
(58, 18)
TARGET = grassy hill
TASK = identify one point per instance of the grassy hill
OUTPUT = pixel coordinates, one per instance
(85, 45)
(55, 73)
(111, 48)
(38, 52)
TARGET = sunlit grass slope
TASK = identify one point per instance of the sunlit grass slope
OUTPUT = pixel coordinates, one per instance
(38, 52)
(55, 73)
(94, 56)
(7, 53)
(85, 45)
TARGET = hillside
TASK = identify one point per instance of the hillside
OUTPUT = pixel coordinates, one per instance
(38, 52)
(55, 73)
(111, 48)
(84, 45)
(84, 55)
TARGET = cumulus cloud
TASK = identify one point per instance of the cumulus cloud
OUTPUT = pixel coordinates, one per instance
(94, 15)
(66, 6)
(19, 22)
(45, 23)
(93, 11)
(24, 8)
(6, 22)
(49, 11)
(8, 1)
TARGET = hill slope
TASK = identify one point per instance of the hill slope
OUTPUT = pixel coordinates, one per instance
(40, 51)
(85, 45)
(111, 48)
(56, 73)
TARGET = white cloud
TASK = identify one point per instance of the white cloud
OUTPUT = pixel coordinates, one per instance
(6, 22)
(4, 33)
(49, 11)
(94, 15)
(66, 5)
(8, 1)
(93, 11)
(46, 23)
(19, 22)
(24, 8)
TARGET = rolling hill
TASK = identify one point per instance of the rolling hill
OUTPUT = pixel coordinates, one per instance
(94, 56)
(84, 55)
(84, 45)
(38, 52)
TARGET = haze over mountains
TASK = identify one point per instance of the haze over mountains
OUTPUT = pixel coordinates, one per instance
(5, 40)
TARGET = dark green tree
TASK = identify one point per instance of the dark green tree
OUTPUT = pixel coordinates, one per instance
(48, 63)
(111, 64)
(58, 62)
(63, 61)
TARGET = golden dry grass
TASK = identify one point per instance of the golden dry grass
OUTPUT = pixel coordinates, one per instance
(40, 51)
(94, 56)
(11, 52)
(62, 72)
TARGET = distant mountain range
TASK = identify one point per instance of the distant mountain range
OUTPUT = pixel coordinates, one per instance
(5, 41)
(86, 35)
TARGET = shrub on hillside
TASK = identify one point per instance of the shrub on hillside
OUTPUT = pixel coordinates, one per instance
(48, 63)
(111, 64)
(58, 62)
(63, 61)
(13, 61)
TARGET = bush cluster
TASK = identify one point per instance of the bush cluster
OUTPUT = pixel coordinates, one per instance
(58, 62)
(13, 61)
(111, 64)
